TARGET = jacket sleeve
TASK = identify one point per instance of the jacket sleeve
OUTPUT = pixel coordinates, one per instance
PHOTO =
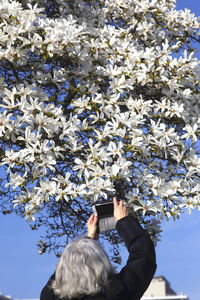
(141, 264)
(47, 292)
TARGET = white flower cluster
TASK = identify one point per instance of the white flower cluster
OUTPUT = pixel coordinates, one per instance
(106, 95)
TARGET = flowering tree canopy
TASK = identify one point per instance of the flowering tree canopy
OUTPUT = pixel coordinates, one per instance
(98, 98)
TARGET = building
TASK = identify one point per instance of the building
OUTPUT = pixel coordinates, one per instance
(160, 289)
(4, 297)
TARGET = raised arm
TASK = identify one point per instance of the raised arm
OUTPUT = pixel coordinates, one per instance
(141, 264)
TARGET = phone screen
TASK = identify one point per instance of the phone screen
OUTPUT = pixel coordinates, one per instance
(105, 209)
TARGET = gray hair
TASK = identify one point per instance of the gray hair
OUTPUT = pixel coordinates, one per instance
(83, 269)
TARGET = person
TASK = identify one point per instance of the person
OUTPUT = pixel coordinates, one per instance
(85, 272)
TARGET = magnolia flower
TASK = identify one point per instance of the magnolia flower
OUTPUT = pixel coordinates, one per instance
(5, 123)
(64, 193)
(162, 106)
(46, 189)
(153, 184)
(190, 132)
(188, 203)
(116, 150)
(11, 158)
(145, 207)
(98, 154)
(82, 104)
(16, 180)
(82, 167)
(99, 188)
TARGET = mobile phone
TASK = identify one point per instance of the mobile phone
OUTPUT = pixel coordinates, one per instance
(105, 215)
(103, 209)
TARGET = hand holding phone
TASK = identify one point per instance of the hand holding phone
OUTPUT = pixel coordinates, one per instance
(104, 211)
(92, 226)
(120, 210)
(109, 213)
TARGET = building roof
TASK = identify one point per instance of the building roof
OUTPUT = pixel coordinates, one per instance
(160, 289)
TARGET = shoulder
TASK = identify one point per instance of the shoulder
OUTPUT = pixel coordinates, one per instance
(47, 292)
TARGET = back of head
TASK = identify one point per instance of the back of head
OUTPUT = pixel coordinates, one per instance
(83, 269)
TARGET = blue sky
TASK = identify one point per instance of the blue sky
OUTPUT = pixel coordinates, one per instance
(178, 254)
(23, 272)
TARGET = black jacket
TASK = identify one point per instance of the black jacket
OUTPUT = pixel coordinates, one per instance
(132, 281)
